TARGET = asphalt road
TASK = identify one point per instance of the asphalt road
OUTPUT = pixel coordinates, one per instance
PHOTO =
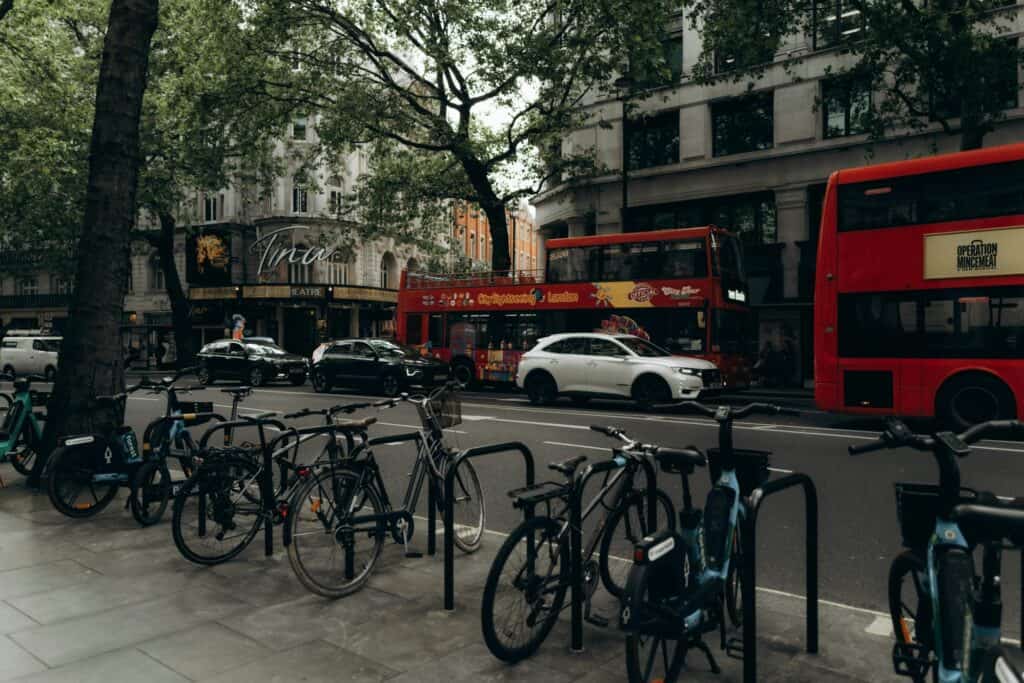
(858, 527)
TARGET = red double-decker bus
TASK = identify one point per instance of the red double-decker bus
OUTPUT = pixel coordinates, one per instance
(683, 289)
(919, 294)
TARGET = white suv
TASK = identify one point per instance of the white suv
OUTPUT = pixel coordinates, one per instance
(615, 366)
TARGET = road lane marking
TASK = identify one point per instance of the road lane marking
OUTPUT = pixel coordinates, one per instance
(576, 445)
(880, 626)
(779, 470)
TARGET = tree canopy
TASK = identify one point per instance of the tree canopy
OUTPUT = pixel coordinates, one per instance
(947, 62)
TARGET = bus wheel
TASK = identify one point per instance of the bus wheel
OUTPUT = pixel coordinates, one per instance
(541, 389)
(971, 398)
(462, 373)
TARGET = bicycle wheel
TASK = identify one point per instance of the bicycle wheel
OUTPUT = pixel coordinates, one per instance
(734, 582)
(910, 608)
(626, 526)
(331, 552)
(218, 511)
(651, 658)
(71, 487)
(23, 459)
(525, 589)
(470, 515)
(150, 492)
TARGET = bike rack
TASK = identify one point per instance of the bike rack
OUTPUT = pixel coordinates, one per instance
(749, 568)
(576, 535)
(449, 508)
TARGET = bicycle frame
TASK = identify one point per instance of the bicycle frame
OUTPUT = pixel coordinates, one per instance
(20, 423)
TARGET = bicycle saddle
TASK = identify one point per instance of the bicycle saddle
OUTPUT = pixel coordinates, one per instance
(679, 458)
(355, 425)
(568, 467)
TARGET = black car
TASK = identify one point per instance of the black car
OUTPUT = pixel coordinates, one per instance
(377, 364)
(252, 362)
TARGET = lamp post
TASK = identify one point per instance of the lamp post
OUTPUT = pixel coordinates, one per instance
(624, 84)
(514, 214)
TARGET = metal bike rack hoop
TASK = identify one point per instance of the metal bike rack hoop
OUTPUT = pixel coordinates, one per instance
(749, 567)
(449, 507)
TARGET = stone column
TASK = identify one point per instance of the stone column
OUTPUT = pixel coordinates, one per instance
(791, 217)
(353, 321)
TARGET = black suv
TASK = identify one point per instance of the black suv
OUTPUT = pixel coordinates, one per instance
(377, 364)
(252, 362)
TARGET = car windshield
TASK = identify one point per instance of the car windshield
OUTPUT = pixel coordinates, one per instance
(48, 345)
(386, 348)
(642, 347)
(265, 349)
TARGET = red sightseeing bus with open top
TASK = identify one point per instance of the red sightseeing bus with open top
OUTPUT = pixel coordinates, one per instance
(919, 293)
(683, 289)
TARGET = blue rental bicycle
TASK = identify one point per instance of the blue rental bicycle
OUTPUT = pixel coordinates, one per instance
(21, 435)
(685, 584)
(944, 617)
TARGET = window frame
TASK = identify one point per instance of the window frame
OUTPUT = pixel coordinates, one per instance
(648, 127)
(742, 107)
(847, 85)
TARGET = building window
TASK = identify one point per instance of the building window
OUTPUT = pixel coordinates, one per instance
(388, 272)
(751, 216)
(156, 274)
(26, 286)
(210, 209)
(337, 271)
(834, 22)
(1000, 80)
(669, 71)
(743, 124)
(61, 285)
(131, 277)
(334, 202)
(299, 272)
(299, 128)
(653, 140)
(300, 199)
(845, 102)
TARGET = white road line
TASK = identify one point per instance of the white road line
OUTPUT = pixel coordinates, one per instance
(880, 626)
(576, 445)
(780, 470)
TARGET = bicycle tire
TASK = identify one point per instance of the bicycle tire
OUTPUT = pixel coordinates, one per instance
(544, 531)
(70, 471)
(220, 491)
(150, 492)
(734, 581)
(633, 511)
(22, 459)
(469, 523)
(306, 506)
(908, 570)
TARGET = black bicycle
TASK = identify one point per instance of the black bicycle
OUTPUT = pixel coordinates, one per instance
(526, 585)
(342, 515)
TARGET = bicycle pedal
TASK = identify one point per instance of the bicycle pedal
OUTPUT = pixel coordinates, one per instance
(911, 660)
(596, 620)
(734, 648)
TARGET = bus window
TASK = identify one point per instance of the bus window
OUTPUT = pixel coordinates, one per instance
(566, 265)
(729, 259)
(615, 262)
(414, 329)
(734, 332)
(684, 259)
(435, 330)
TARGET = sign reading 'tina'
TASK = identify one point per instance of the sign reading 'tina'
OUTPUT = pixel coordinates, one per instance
(978, 253)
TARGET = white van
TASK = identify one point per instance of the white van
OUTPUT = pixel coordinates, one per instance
(30, 355)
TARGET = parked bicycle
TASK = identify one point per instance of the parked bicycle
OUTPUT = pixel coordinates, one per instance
(684, 585)
(528, 580)
(944, 617)
(342, 515)
(21, 435)
(238, 488)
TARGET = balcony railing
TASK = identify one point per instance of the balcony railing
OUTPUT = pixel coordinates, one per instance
(481, 279)
(35, 300)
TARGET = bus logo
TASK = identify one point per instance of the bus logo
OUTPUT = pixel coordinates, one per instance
(642, 293)
(978, 255)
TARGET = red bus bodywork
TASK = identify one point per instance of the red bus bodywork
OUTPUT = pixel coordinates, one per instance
(423, 297)
(892, 260)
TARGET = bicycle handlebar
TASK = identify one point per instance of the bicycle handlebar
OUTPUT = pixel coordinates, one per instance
(898, 435)
(722, 412)
(340, 408)
(690, 455)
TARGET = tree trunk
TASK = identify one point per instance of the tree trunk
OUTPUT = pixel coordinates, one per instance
(495, 210)
(92, 361)
(181, 312)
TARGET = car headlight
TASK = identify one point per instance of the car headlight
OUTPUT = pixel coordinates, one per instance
(688, 371)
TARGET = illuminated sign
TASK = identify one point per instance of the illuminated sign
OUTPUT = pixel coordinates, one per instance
(736, 295)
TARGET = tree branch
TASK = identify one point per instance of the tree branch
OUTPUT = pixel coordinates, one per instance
(5, 7)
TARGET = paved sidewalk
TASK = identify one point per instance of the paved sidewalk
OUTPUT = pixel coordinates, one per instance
(103, 600)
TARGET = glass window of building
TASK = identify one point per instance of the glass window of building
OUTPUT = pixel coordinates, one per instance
(845, 102)
(299, 128)
(743, 124)
(26, 286)
(300, 199)
(653, 140)
(834, 22)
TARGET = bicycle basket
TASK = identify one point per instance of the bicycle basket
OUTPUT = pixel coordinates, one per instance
(445, 408)
(917, 506)
(751, 467)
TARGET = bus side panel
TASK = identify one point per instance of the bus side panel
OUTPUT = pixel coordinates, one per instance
(826, 381)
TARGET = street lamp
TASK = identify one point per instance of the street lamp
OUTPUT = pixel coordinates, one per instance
(514, 214)
(624, 84)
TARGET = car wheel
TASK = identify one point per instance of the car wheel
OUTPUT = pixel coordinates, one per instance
(320, 383)
(297, 380)
(50, 373)
(463, 373)
(541, 389)
(390, 386)
(256, 376)
(205, 376)
(650, 391)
